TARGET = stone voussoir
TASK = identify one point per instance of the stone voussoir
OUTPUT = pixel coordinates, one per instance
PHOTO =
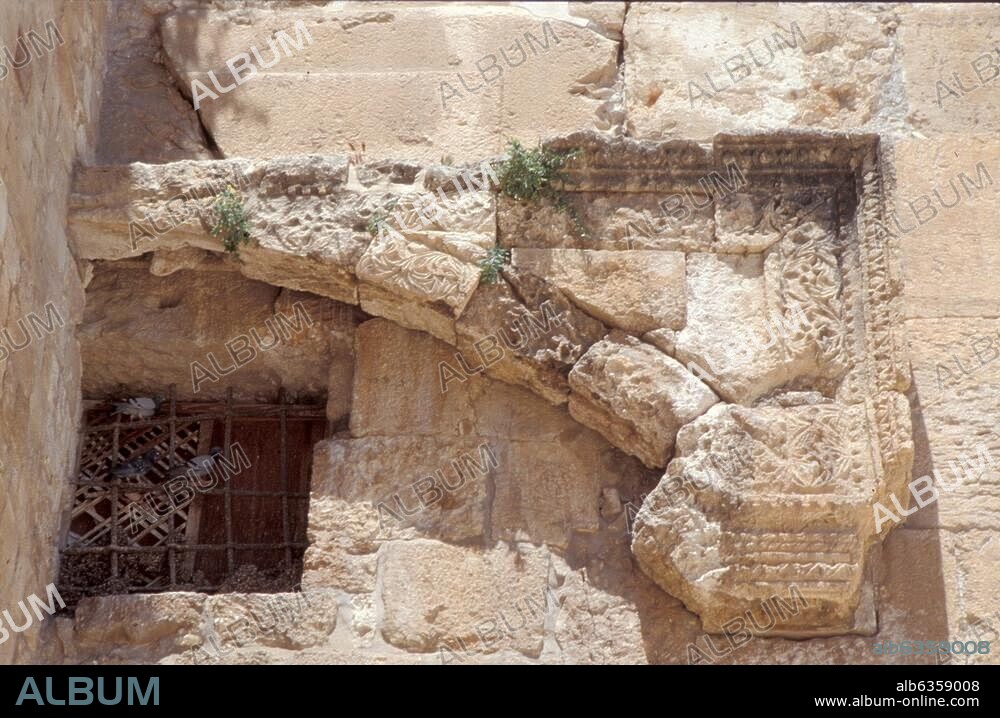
(636, 396)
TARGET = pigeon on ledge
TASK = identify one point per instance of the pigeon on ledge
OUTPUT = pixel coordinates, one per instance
(136, 467)
(139, 407)
(198, 466)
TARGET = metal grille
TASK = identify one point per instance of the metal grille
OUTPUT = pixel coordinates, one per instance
(114, 543)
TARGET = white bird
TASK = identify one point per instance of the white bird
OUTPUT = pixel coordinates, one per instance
(139, 407)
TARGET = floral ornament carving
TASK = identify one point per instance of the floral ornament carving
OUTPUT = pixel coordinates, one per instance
(430, 275)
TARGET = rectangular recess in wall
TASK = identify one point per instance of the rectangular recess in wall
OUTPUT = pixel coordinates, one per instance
(240, 527)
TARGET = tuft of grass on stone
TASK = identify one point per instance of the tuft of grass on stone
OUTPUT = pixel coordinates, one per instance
(232, 224)
(375, 222)
(490, 265)
(379, 218)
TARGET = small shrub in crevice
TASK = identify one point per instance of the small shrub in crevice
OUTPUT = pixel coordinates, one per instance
(490, 265)
(528, 175)
(232, 224)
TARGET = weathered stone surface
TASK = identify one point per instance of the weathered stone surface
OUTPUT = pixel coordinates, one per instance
(398, 385)
(947, 187)
(309, 230)
(610, 221)
(208, 628)
(415, 286)
(760, 499)
(444, 598)
(307, 234)
(950, 68)
(343, 540)
(523, 331)
(773, 319)
(143, 116)
(754, 222)
(51, 105)
(621, 194)
(549, 472)
(729, 337)
(956, 387)
(550, 494)
(694, 70)
(636, 396)
(291, 621)
(460, 224)
(604, 17)
(419, 83)
(611, 613)
(144, 332)
(415, 486)
(637, 291)
(167, 261)
(162, 623)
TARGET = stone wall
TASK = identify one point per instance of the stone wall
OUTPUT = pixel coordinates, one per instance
(534, 564)
(49, 108)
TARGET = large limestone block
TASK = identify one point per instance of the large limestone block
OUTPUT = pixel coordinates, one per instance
(290, 621)
(956, 389)
(523, 331)
(398, 384)
(598, 624)
(948, 187)
(344, 537)
(636, 396)
(637, 291)
(550, 491)
(419, 83)
(453, 599)
(551, 470)
(409, 383)
(143, 117)
(758, 500)
(692, 70)
(415, 486)
(167, 621)
(950, 68)
(977, 555)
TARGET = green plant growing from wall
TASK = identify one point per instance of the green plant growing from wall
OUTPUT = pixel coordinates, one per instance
(490, 265)
(231, 221)
(379, 218)
(528, 176)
